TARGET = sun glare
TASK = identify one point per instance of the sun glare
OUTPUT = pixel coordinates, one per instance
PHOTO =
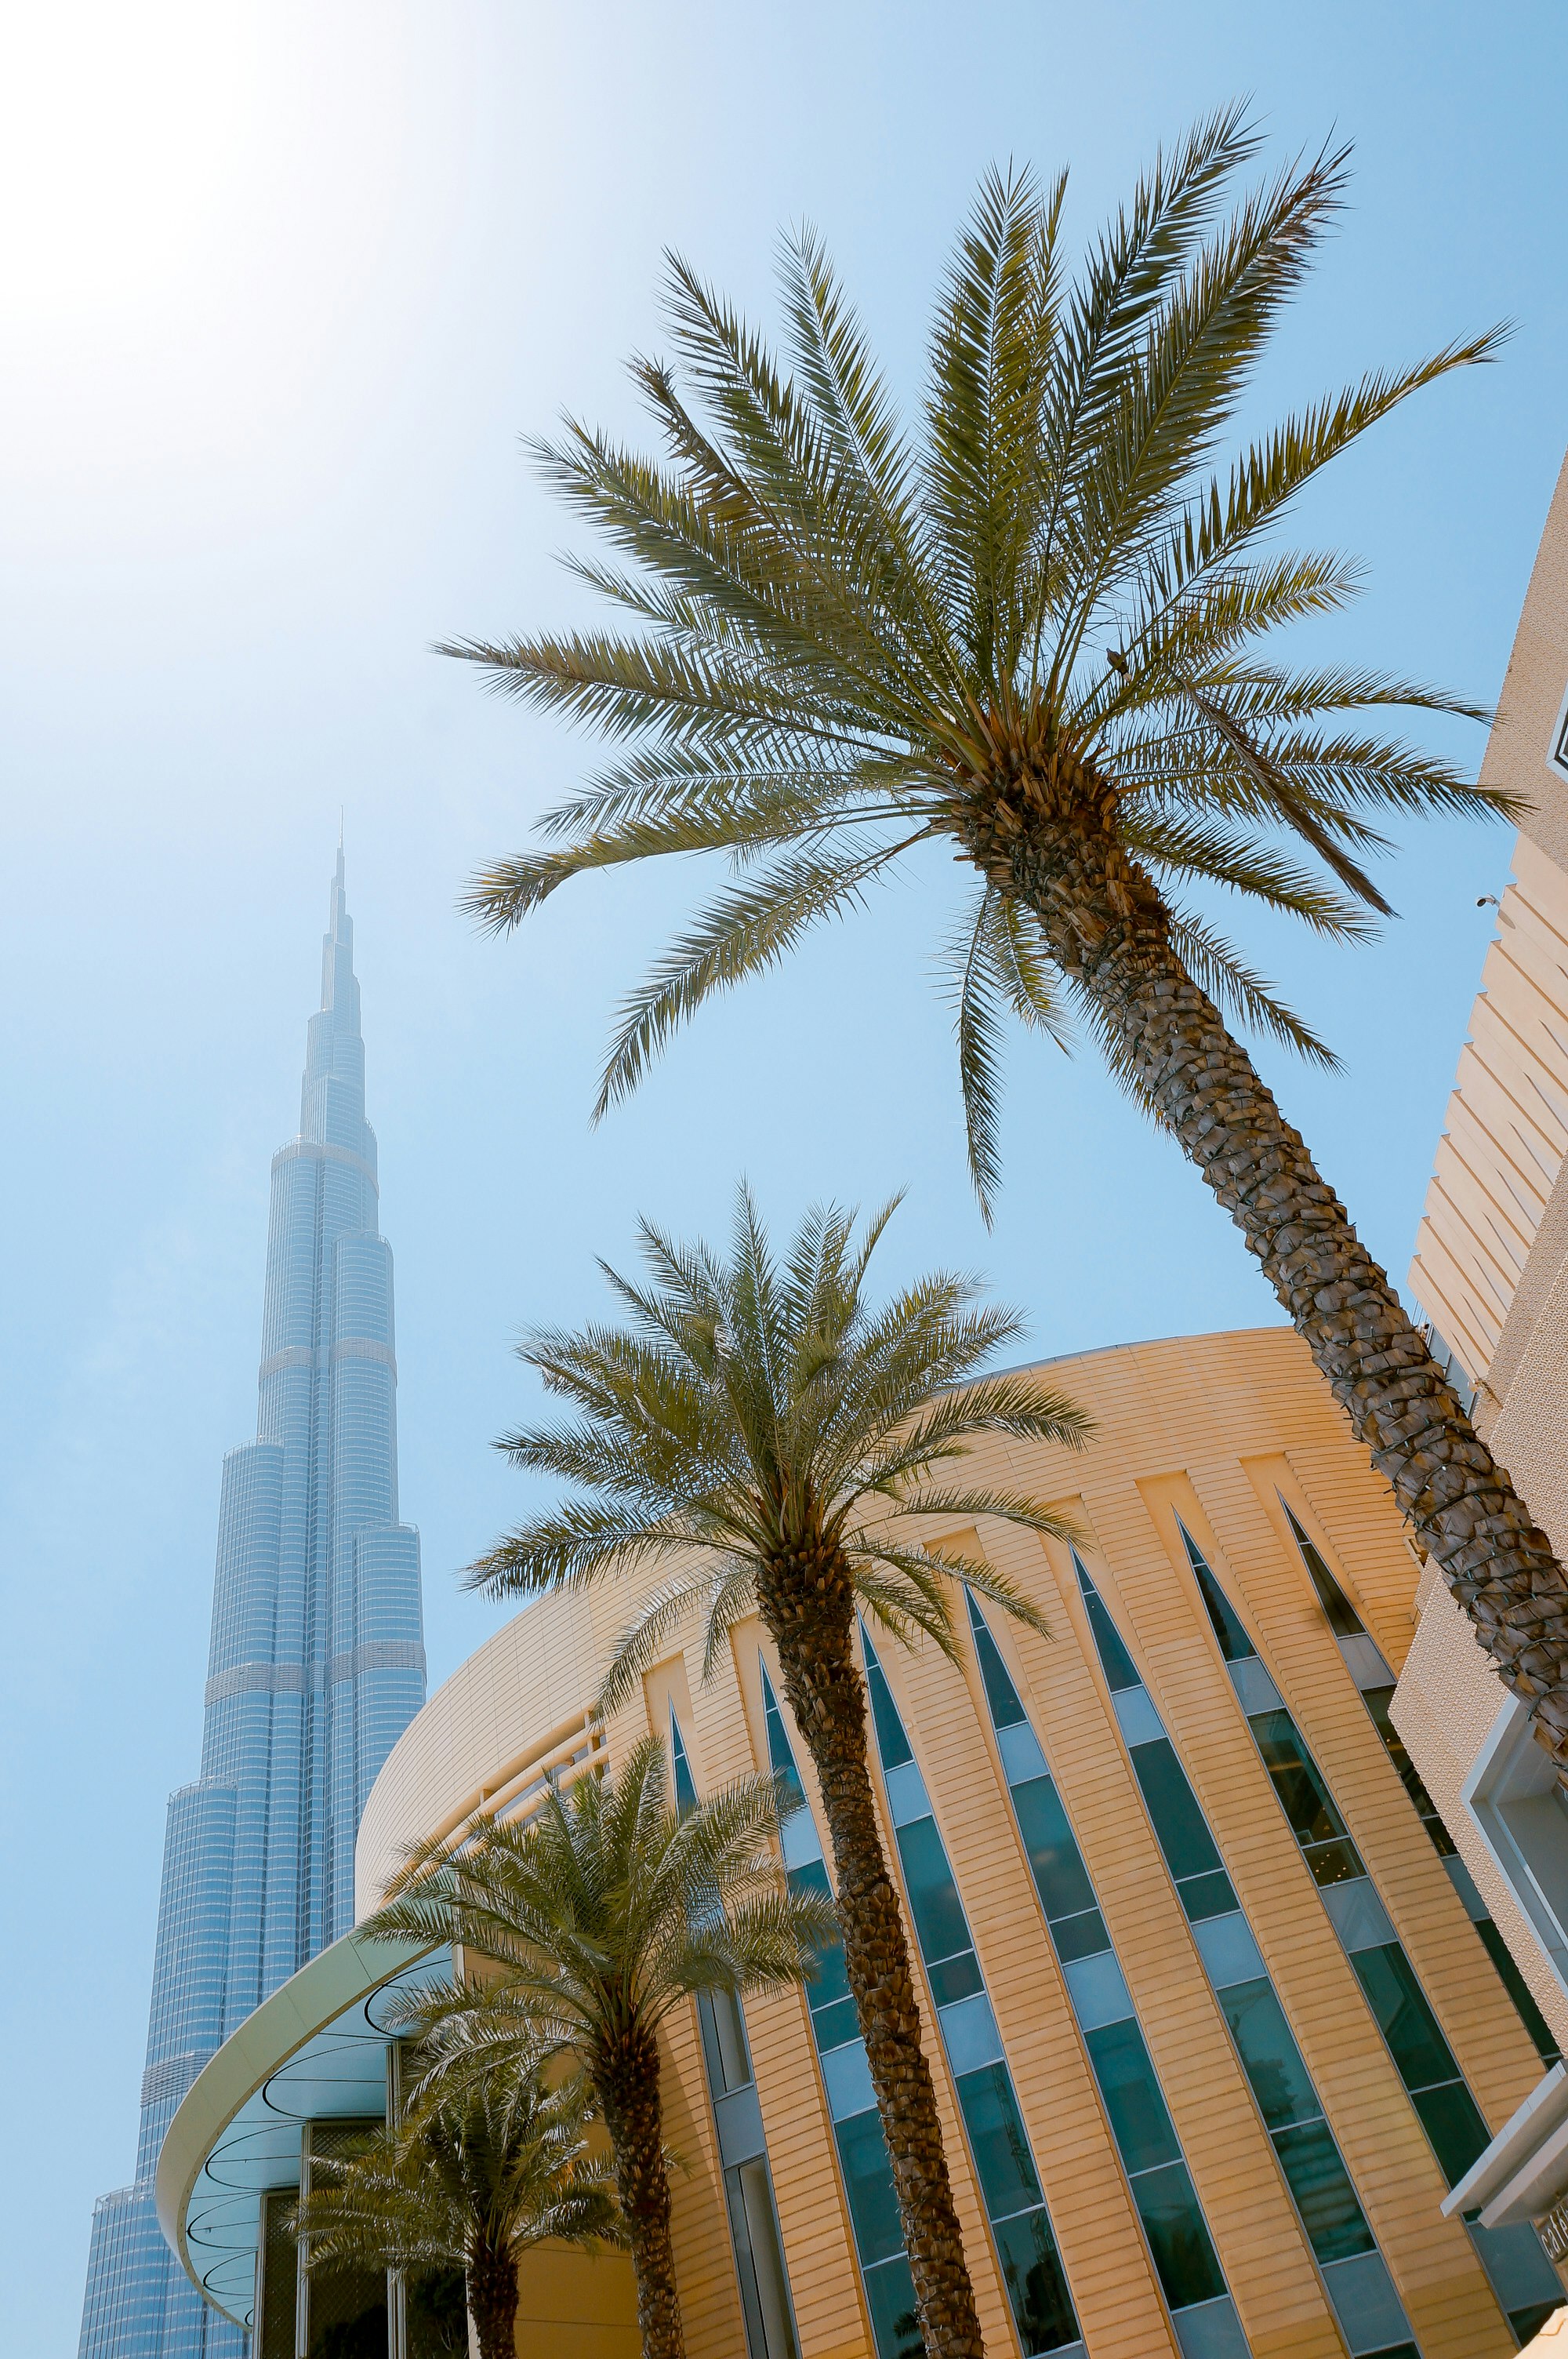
(120, 134)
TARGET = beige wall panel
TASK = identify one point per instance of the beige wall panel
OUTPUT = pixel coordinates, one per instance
(574, 2304)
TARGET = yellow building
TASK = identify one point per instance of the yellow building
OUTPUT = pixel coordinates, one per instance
(1491, 1274)
(1212, 2028)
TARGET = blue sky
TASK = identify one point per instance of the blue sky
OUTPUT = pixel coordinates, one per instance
(288, 284)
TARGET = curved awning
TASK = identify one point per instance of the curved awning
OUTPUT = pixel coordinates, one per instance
(316, 2049)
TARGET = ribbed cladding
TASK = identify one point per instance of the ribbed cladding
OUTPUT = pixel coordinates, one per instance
(190, 1962)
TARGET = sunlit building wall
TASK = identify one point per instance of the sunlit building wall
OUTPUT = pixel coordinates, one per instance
(1211, 2025)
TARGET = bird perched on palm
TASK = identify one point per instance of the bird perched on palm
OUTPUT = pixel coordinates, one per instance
(764, 1431)
(1034, 636)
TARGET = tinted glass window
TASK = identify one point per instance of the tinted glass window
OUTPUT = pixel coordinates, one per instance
(1404, 2018)
(1184, 2253)
(934, 1899)
(1139, 2121)
(1054, 1855)
(1296, 1779)
(1183, 1838)
(997, 2136)
(1035, 2286)
(867, 2179)
(1325, 2197)
(1268, 2051)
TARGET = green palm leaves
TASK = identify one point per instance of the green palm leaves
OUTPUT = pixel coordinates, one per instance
(755, 1409)
(852, 641)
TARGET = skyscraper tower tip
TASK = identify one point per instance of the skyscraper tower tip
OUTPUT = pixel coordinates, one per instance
(317, 1662)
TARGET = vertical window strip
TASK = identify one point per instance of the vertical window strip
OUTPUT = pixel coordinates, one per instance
(1374, 1679)
(1010, 2185)
(754, 2237)
(1523, 2280)
(846, 2079)
(1180, 2243)
(1360, 2289)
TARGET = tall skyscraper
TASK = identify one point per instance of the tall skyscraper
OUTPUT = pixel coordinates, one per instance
(317, 1661)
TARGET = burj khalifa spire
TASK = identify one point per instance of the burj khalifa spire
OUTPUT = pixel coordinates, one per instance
(317, 1662)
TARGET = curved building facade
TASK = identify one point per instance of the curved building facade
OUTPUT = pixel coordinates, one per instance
(1213, 2029)
(317, 1661)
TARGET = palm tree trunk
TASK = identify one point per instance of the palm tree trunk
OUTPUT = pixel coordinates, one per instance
(1107, 931)
(492, 2304)
(627, 2087)
(809, 1615)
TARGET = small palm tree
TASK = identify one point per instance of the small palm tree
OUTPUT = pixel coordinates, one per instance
(761, 1426)
(475, 2173)
(599, 1915)
(1034, 637)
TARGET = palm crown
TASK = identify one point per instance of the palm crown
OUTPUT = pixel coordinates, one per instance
(852, 642)
(758, 1410)
(604, 1908)
(490, 2165)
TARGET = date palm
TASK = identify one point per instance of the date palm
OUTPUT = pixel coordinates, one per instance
(760, 1425)
(1034, 637)
(596, 1916)
(473, 2176)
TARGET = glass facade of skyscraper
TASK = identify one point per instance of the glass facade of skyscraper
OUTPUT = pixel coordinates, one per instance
(317, 1662)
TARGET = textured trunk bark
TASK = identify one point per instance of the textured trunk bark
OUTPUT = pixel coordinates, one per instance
(627, 2085)
(808, 1609)
(1105, 929)
(492, 2304)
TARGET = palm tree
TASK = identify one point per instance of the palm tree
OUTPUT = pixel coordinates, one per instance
(599, 1915)
(474, 2174)
(1032, 637)
(761, 1426)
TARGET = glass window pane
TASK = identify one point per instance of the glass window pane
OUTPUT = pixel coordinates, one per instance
(1115, 1661)
(891, 1741)
(1234, 1642)
(1183, 1836)
(1452, 2121)
(1002, 2160)
(1080, 1937)
(1342, 1619)
(1183, 2253)
(1334, 2223)
(1333, 1863)
(1059, 1873)
(889, 2298)
(868, 2178)
(1042, 2306)
(1207, 1895)
(1000, 1694)
(1404, 2018)
(835, 2023)
(933, 1901)
(1296, 1780)
(1139, 2121)
(1268, 2052)
(955, 1978)
(832, 1981)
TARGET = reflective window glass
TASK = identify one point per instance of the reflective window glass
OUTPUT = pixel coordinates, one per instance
(1005, 1710)
(1296, 1779)
(868, 2179)
(890, 2297)
(1335, 2226)
(1035, 2285)
(1234, 1642)
(1404, 2018)
(1115, 1661)
(934, 1900)
(1269, 2053)
(1139, 2121)
(997, 2136)
(891, 1741)
(1179, 1823)
(1451, 2120)
(1054, 1855)
(1182, 2249)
